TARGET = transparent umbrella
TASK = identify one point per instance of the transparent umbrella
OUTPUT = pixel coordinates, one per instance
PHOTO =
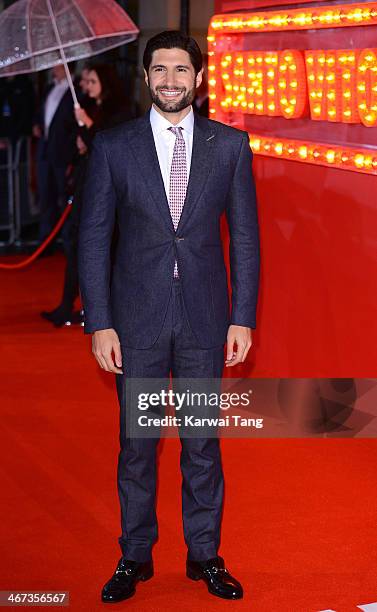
(39, 34)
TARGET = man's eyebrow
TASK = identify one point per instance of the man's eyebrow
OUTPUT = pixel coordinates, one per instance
(164, 66)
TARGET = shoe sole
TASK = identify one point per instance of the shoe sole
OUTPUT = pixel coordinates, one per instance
(142, 578)
(196, 577)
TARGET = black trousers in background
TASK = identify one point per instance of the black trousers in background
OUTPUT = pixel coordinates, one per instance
(175, 351)
(52, 195)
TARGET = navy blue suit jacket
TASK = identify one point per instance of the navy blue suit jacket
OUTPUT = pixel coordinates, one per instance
(124, 185)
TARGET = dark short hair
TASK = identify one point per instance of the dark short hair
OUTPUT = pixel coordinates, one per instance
(172, 39)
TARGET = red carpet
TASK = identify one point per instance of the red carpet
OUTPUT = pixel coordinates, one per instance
(300, 519)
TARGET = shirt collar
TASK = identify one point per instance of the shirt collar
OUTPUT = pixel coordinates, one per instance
(159, 123)
(63, 83)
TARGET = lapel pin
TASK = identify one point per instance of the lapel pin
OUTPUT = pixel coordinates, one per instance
(210, 138)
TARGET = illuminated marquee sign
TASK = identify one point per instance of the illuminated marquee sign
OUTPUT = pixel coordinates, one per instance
(338, 85)
(317, 85)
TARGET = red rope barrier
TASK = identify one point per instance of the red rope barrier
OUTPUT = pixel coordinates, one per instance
(45, 243)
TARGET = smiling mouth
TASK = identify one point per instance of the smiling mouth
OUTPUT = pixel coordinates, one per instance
(170, 93)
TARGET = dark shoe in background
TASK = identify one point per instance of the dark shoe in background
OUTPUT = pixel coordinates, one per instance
(122, 584)
(63, 316)
(219, 581)
(58, 317)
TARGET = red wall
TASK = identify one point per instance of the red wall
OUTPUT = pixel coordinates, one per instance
(318, 296)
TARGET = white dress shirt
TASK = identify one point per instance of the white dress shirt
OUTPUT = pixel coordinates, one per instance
(52, 102)
(164, 141)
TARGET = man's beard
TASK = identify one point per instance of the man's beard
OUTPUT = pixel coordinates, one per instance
(173, 107)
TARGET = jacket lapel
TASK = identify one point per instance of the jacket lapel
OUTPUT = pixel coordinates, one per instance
(145, 152)
(142, 143)
(201, 161)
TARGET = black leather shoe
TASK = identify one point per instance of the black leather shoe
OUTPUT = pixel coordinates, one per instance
(217, 578)
(58, 317)
(122, 584)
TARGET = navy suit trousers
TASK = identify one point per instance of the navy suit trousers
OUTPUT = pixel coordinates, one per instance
(175, 351)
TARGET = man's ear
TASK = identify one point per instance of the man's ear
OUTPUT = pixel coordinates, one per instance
(146, 79)
(199, 78)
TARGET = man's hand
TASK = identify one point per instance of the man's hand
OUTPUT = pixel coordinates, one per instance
(105, 342)
(241, 336)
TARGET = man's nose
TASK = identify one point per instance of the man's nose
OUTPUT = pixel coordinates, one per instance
(171, 79)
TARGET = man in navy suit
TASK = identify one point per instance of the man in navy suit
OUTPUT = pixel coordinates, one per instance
(162, 307)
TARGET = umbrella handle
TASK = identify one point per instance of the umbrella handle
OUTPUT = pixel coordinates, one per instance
(77, 105)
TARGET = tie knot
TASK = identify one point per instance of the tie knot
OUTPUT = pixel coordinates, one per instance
(177, 131)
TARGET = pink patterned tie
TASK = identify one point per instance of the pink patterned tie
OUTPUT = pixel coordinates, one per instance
(178, 180)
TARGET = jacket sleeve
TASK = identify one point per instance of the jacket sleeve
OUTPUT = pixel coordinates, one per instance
(242, 220)
(95, 234)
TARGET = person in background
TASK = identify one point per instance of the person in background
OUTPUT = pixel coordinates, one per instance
(55, 129)
(105, 88)
(108, 107)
